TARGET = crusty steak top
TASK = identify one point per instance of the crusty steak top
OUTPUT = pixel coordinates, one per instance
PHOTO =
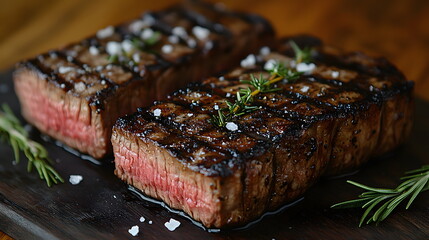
(341, 85)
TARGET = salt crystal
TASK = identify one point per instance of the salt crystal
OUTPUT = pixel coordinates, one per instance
(150, 222)
(208, 46)
(93, 50)
(136, 26)
(167, 49)
(172, 224)
(270, 64)
(180, 31)
(216, 107)
(190, 114)
(231, 126)
(127, 46)
(305, 88)
(63, 70)
(136, 57)
(264, 51)
(103, 82)
(335, 74)
(134, 230)
(221, 78)
(147, 33)
(228, 95)
(249, 61)
(173, 39)
(371, 88)
(191, 43)
(305, 67)
(75, 179)
(157, 112)
(106, 32)
(80, 87)
(142, 219)
(200, 32)
(62, 85)
(114, 48)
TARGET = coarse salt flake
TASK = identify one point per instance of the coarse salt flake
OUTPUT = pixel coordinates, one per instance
(105, 32)
(305, 88)
(63, 70)
(173, 39)
(114, 48)
(208, 46)
(200, 32)
(179, 31)
(136, 57)
(216, 107)
(190, 114)
(270, 64)
(335, 74)
(167, 49)
(147, 33)
(249, 61)
(172, 224)
(191, 43)
(264, 51)
(136, 26)
(305, 67)
(221, 78)
(93, 50)
(134, 230)
(142, 219)
(80, 87)
(157, 112)
(231, 126)
(75, 179)
(127, 46)
(150, 222)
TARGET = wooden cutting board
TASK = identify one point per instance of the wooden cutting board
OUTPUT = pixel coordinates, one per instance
(102, 207)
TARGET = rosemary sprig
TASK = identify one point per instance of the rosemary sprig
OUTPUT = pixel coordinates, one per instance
(245, 96)
(415, 182)
(301, 55)
(12, 132)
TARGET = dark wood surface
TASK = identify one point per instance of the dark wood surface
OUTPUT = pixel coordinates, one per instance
(396, 29)
(101, 206)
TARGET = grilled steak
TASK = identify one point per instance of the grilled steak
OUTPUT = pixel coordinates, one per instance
(75, 94)
(335, 117)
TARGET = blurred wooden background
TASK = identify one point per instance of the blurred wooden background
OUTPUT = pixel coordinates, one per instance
(396, 29)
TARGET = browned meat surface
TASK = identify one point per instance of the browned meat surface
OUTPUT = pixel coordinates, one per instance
(75, 94)
(347, 109)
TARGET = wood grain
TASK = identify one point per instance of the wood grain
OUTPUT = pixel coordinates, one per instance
(395, 29)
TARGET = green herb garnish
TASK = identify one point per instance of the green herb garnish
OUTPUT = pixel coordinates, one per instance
(301, 55)
(12, 132)
(245, 96)
(415, 182)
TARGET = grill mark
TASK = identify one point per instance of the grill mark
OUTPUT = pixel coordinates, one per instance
(50, 74)
(201, 20)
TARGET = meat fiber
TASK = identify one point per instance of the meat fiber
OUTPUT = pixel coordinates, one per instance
(75, 94)
(334, 118)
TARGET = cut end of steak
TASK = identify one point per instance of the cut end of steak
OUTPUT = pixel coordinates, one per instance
(346, 109)
(75, 94)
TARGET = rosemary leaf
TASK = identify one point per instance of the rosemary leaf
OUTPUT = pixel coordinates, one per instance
(416, 182)
(12, 132)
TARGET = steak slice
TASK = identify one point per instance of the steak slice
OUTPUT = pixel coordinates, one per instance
(349, 108)
(75, 94)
